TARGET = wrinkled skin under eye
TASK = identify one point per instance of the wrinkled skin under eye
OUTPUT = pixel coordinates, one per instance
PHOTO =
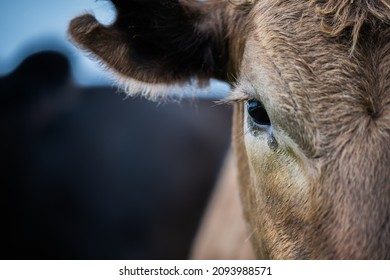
(260, 121)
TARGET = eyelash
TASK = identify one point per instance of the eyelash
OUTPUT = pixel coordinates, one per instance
(236, 97)
(255, 127)
(257, 114)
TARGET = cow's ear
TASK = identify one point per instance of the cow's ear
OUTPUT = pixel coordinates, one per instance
(153, 43)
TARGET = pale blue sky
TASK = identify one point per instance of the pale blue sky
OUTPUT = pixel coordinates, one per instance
(29, 26)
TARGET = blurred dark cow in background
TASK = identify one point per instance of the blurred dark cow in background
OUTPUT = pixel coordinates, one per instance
(312, 119)
(86, 174)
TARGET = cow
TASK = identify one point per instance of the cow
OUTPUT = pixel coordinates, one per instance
(311, 121)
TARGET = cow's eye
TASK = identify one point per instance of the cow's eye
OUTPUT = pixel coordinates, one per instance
(257, 113)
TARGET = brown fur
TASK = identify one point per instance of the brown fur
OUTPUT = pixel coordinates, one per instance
(337, 111)
(223, 233)
(340, 15)
(321, 70)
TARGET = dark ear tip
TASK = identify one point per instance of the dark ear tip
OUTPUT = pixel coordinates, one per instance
(81, 26)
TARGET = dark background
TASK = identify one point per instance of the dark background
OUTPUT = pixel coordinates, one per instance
(85, 172)
(88, 174)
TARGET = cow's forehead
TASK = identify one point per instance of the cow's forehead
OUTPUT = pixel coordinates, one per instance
(311, 79)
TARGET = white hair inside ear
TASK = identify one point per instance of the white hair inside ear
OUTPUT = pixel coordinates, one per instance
(172, 92)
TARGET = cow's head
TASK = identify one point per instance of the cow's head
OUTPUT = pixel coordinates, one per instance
(312, 119)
